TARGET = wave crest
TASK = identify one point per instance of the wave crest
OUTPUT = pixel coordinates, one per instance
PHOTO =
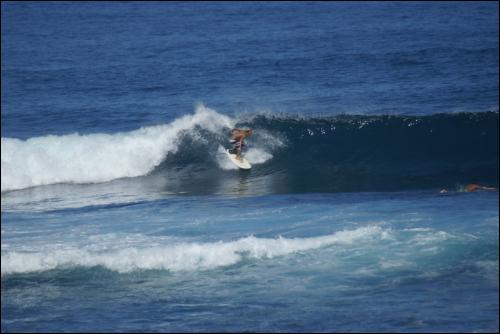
(179, 257)
(94, 158)
(328, 154)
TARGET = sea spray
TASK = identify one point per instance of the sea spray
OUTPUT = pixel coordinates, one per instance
(98, 157)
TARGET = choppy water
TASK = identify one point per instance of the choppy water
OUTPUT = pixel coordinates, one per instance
(120, 211)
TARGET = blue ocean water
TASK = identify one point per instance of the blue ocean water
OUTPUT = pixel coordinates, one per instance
(120, 211)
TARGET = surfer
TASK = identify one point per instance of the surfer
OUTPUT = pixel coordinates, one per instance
(471, 187)
(237, 136)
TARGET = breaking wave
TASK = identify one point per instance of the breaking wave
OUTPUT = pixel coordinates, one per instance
(177, 257)
(322, 154)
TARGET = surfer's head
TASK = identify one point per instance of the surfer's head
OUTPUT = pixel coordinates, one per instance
(241, 133)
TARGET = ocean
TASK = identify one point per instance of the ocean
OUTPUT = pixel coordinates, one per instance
(120, 211)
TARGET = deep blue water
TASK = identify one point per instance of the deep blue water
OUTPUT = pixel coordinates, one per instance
(120, 211)
(111, 67)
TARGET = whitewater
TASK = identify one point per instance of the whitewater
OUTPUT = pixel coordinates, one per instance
(120, 211)
(358, 152)
(96, 158)
(179, 257)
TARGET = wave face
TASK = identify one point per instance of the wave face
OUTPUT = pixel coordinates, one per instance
(289, 154)
(355, 153)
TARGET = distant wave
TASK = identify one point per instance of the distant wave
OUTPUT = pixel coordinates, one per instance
(428, 246)
(295, 154)
(179, 257)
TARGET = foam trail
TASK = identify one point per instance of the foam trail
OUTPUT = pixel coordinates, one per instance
(93, 158)
(223, 161)
(257, 156)
(179, 257)
(254, 155)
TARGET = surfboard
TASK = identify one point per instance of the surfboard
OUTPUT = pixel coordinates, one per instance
(242, 164)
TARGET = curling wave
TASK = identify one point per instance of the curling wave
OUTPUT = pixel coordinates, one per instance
(95, 158)
(290, 154)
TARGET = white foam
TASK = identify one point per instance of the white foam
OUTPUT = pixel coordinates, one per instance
(76, 158)
(223, 161)
(431, 238)
(176, 257)
(257, 156)
(254, 155)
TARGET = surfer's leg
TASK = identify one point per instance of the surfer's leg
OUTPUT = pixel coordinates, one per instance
(237, 148)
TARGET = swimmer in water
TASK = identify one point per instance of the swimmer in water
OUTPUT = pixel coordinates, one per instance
(471, 187)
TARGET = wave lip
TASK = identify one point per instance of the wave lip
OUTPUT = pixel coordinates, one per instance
(179, 257)
(96, 158)
(345, 153)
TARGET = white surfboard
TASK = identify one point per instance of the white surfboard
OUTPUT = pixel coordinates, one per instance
(242, 164)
